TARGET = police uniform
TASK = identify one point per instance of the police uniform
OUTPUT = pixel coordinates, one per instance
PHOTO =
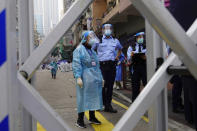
(138, 67)
(106, 51)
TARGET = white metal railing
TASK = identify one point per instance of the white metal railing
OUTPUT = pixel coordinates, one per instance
(12, 88)
(23, 92)
(25, 47)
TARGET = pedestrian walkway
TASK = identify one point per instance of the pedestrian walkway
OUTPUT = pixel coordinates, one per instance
(60, 94)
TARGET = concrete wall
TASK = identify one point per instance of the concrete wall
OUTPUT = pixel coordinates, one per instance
(134, 24)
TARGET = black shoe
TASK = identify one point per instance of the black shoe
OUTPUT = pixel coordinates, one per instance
(94, 121)
(110, 109)
(80, 124)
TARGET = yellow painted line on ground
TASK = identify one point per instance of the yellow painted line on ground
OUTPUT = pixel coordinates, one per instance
(40, 127)
(120, 104)
(125, 107)
(105, 126)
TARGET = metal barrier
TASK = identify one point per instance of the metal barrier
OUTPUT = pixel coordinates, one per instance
(21, 91)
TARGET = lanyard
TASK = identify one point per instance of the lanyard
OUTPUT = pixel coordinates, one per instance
(89, 52)
(93, 62)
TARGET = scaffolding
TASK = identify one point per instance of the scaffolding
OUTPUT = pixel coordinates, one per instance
(16, 89)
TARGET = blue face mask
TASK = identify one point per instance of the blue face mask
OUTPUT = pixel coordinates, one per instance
(140, 40)
(108, 32)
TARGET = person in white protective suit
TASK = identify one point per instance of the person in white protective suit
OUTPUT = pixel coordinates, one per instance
(89, 79)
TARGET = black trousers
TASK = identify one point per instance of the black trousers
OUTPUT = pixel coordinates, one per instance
(139, 73)
(81, 115)
(108, 70)
(176, 91)
(190, 99)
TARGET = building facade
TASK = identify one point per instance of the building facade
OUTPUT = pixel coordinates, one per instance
(47, 14)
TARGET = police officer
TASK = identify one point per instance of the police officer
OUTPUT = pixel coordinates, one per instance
(136, 55)
(106, 51)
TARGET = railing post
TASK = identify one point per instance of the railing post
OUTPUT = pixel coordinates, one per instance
(158, 113)
(12, 82)
(25, 25)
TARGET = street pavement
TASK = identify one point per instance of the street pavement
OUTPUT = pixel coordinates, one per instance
(61, 95)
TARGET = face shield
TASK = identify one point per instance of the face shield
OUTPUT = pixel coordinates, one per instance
(140, 37)
(92, 38)
(107, 29)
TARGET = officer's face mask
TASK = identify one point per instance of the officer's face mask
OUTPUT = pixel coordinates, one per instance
(108, 32)
(140, 40)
